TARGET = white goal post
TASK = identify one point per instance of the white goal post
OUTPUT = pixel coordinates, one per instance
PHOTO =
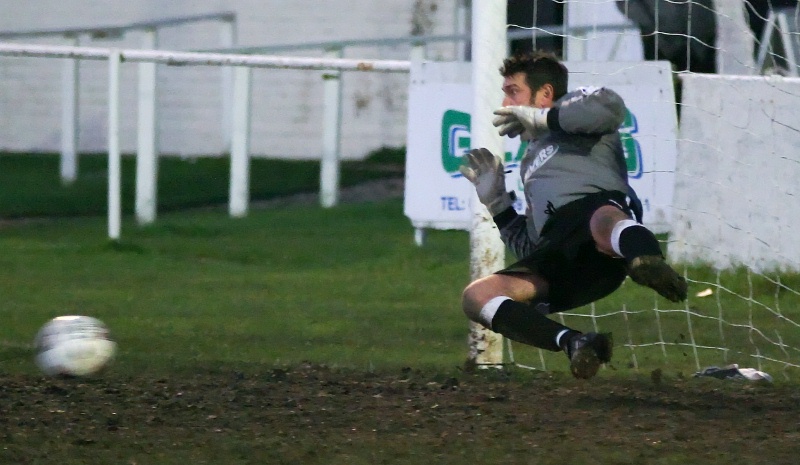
(487, 252)
(239, 185)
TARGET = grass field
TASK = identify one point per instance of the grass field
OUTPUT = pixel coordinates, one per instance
(31, 185)
(279, 287)
(308, 335)
(325, 277)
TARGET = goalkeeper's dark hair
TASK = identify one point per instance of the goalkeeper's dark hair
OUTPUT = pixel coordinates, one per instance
(540, 68)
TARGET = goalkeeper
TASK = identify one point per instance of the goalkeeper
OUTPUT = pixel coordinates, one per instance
(582, 232)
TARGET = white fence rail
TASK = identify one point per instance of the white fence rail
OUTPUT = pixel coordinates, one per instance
(240, 131)
(147, 75)
(178, 58)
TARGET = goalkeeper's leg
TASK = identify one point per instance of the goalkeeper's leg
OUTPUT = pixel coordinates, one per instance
(489, 301)
(615, 233)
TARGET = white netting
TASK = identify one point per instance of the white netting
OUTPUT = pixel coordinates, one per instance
(736, 203)
(738, 316)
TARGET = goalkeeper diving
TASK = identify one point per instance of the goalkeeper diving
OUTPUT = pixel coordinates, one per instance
(581, 233)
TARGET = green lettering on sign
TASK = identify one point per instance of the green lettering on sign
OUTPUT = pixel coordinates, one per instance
(456, 142)
(510, 158)
(630, 146)
(455, 139)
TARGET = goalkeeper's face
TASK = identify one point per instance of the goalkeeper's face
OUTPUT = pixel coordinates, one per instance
(517, 92)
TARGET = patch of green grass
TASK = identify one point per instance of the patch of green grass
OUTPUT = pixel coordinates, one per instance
(30, 185)
(344, 287)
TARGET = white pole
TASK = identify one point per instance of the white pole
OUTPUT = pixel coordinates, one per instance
(174, 58)
(419, 236)
(147, 134)
(240, 144)
(418, 55)
(460, 26)
(418, 52)
(69, 119)
(789, 44)
(734, 49)
(487, 252)
(331, 134)
(570, 42)
(114, 162)
(227, 40)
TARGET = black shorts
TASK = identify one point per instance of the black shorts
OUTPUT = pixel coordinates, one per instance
(578, 274)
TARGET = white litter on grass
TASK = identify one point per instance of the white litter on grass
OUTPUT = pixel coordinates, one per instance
(705, 293)
(734, 372)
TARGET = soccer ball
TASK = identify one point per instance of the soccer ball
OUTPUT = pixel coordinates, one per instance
(73, 345)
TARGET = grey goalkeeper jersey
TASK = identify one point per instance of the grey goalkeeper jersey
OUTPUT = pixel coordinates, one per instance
(581, 154)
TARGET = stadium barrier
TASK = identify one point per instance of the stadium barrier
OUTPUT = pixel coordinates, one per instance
(240, 119)
(70, 81)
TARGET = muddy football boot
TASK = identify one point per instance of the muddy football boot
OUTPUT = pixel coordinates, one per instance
(652, 271)
(587, 352)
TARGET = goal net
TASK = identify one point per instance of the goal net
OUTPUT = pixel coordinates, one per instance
(734, 200)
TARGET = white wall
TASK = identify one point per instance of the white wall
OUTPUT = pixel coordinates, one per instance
(737, 200)
(622, 43)
(286, 113)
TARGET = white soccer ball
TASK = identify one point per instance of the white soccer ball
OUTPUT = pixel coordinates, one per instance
(73, 345)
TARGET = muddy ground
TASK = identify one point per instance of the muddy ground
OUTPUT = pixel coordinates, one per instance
(316, 415)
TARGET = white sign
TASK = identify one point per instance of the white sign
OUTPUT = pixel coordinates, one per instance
(437, 195)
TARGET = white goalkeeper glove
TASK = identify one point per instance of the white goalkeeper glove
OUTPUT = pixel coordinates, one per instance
(486, 171)
(519, 120)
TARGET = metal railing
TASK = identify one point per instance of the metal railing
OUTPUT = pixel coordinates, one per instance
(781, 29)
(70, 83)
(242, 66)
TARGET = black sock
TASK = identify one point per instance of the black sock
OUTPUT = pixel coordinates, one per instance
(522, 323)
(636, 241)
